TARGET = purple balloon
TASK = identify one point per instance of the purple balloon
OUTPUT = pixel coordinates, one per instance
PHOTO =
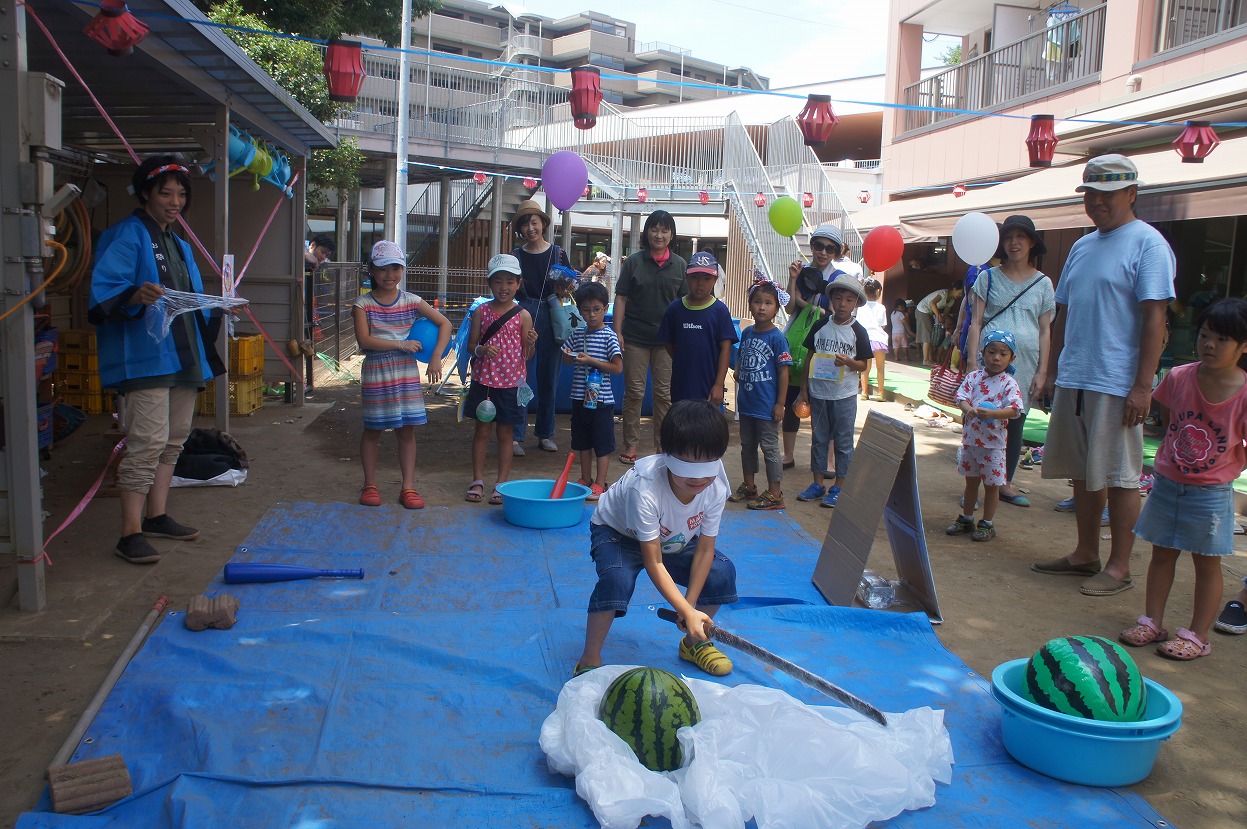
(564, 176)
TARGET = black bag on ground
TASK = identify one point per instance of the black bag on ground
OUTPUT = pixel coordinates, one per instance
(208, 453)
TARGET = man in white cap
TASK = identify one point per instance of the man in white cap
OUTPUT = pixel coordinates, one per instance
(1108, 335)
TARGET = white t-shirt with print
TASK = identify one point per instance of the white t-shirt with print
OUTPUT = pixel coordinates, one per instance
(641, 505)
(828, 381)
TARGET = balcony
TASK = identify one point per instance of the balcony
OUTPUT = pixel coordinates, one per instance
(1067, 54)
(1181, 21)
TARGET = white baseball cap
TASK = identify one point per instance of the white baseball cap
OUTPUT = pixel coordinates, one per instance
(386, 253)
(504, 263)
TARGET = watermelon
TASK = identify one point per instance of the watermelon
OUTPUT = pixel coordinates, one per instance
(646, 707)
(1087, 676)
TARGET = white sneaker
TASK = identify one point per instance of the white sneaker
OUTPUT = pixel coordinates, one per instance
(548, 445)
(517, 449)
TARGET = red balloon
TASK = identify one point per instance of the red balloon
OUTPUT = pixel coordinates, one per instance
(882, 248)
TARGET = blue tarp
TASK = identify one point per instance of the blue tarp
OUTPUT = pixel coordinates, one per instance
(417, 694)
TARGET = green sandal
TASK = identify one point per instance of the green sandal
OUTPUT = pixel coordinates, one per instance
(584, 669)
(707, 657)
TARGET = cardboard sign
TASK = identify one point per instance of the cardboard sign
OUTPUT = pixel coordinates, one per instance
(882, 484)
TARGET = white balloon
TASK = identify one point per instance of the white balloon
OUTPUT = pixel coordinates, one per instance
(976, 238)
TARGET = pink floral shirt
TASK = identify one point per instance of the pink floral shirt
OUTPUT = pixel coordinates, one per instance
(999, 391)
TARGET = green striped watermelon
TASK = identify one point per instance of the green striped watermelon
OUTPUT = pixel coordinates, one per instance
(1087, 676)
(645, 707)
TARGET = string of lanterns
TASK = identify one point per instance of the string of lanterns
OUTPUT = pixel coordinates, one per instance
(119, 31)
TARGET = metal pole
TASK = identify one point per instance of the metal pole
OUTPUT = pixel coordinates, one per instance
(221, 421)
(19, 490)
(495, 217)
(616, 244)
(400, 134)
(443, 239)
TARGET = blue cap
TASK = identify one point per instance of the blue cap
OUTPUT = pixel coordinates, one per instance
(703, 262)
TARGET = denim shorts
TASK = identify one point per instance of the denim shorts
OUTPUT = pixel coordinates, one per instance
(1197, 519)
(618, 560)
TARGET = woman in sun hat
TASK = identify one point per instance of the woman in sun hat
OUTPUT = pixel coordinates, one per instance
(537, 256)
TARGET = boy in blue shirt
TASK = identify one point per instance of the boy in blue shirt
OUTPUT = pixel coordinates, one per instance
(700, 328)
(593, 346)
(663, 517)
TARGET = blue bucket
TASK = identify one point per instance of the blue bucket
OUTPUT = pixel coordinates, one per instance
(528, 504)
(1078, 750)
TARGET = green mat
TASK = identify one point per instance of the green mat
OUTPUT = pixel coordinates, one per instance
(1036, 430)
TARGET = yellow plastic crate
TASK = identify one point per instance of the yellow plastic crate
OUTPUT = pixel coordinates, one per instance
(80, 361)
(97, 403)
(246, 356)
(78, 382)
(80, 339)
(246, 396)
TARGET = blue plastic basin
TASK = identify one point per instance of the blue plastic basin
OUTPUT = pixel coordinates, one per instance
(528, 503)
(1078, 750)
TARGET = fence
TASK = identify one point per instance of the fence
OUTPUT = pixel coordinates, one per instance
(334, 289)
(1069, 51)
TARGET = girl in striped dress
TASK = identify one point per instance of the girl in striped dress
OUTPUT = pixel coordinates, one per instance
(392, 395)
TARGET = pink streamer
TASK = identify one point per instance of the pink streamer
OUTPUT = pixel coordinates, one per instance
(82, 505)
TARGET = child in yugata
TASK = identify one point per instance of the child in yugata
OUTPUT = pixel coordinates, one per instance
(390, 377)
(989, 398)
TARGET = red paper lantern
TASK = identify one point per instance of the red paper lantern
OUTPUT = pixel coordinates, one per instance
(817, 121)
(344, 69)
(531, 183)
(959, 190)
(1196, 142)
(703, 197)
(642, 194)
(115, 28)
(586, 96)
(586, 192)
(807, 200)
(1041, 142)
(760, 200)
(478, 177)
(863, 196)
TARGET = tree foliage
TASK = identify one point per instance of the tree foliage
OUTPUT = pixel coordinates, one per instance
(329, 18)
(951, 56)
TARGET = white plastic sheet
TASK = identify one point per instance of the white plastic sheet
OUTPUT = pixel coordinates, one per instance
(757, 754)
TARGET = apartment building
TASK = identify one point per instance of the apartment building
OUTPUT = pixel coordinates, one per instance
(1108, 72)
(505, 32)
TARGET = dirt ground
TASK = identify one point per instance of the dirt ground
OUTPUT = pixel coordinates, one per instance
(994, 607)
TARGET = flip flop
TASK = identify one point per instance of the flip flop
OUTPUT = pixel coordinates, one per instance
(1062, 567)
(1144, 633)
(475, 493)
(1184, 647)
(627, 459)
(1102, 584)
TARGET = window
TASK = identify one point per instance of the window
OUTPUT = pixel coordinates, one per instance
(473, 54)
(450, 50)
(475, 19)
(1180, 22)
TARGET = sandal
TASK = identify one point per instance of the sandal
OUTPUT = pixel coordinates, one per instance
(475, 493)
(627, 459)
(595, 492)
(370, 496)
(584, 669)
(707, 657)
(1184, 647)
(411, 499)
(495, 499)
(1144, 633)
(743, 493)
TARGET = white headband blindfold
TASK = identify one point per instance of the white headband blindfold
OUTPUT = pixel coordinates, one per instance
(694, 469)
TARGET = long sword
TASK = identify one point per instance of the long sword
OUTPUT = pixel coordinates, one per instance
(793, 670)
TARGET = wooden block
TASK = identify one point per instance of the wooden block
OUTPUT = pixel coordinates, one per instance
(89, 785)
(218, 612)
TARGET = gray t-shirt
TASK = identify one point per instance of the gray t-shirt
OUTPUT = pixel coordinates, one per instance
(1021, 319)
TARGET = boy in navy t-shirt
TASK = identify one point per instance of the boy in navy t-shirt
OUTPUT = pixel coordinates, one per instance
(699, 328)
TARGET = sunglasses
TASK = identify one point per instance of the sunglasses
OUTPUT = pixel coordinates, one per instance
(821, 247)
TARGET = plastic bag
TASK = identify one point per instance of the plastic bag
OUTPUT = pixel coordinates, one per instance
(160, 314)
(757, 754)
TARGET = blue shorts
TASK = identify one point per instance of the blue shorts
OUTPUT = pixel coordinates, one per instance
(593, 428)
(1197, 519)
(504, 400)
(618, 560)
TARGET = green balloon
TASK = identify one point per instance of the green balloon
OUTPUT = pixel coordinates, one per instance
(486, 411)
(785, 216)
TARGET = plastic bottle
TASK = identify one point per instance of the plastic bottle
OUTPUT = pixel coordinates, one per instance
(875, 591)
(593, 388)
